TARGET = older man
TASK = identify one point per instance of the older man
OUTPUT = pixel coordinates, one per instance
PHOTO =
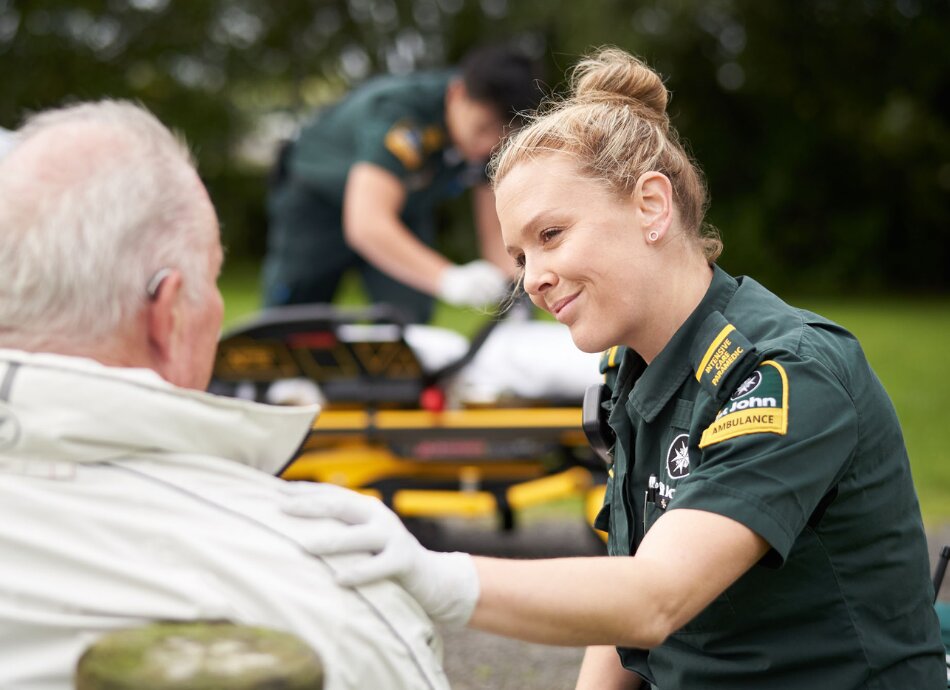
(128, 495)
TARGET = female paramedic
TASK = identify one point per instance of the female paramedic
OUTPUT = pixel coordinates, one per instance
(763, 527)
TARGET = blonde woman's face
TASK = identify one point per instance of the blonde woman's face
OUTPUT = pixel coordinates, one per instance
(582, 251)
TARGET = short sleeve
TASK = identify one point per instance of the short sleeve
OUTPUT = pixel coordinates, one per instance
(397, 142)
(777, 446)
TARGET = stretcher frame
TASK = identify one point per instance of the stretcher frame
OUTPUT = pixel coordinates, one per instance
(384, 429)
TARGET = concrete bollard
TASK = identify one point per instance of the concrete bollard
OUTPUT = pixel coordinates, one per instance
(199, 656)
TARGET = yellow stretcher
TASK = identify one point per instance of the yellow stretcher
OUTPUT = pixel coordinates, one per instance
(385, 429)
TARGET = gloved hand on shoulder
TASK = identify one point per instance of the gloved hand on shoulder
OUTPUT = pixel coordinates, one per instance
(474, 284)
(445, 584)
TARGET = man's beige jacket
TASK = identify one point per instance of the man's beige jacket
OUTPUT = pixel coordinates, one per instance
(124, 500)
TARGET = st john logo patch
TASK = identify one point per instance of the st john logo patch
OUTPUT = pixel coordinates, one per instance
(758, 405)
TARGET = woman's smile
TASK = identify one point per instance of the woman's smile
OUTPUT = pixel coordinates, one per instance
(562, 309)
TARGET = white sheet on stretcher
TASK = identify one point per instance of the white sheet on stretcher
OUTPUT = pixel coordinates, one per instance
(521, 359)
(526, 360)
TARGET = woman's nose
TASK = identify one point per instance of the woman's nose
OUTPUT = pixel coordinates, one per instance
(537, 279)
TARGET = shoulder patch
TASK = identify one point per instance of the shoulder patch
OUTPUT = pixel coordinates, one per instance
(758, 405)
(405, 142)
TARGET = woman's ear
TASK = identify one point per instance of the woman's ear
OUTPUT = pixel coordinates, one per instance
(653, 201)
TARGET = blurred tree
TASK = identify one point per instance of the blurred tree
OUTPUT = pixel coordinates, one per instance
(823, 125)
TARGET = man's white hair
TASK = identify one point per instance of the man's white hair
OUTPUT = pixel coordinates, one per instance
(114, 199)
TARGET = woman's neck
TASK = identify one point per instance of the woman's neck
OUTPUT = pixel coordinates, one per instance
(681, 295)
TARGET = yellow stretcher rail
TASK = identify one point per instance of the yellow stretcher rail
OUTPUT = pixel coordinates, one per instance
(507, 419)
(469, 504)
(351, 448)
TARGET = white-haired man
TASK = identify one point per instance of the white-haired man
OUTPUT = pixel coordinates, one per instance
(128, 495)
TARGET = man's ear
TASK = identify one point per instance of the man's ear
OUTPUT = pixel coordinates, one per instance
(653, 200)
(163, 322)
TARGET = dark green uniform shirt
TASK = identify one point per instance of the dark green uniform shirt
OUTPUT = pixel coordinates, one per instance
(771, 416)
(394, 122)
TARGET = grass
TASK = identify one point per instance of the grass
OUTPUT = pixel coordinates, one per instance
(904, 338)
(240, 285)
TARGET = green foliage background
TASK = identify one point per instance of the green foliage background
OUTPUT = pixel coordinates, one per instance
(823, 125)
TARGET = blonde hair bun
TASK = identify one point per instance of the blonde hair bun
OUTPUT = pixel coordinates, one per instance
(614, 125)
(614, 76)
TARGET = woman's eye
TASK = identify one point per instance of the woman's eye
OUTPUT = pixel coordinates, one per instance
(519, 261)
(549, 234)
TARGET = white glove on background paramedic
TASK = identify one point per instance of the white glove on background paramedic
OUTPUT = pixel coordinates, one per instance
(474, 284)
(445, 584)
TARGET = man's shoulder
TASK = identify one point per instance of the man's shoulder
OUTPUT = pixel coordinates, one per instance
(403, 114)
(419, 93)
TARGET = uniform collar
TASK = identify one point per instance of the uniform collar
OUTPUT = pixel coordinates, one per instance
(76, 410)
(666, 372)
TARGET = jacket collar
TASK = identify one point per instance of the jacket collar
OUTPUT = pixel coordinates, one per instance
(70, 409)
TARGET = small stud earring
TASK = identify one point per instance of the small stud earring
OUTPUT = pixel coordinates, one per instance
(653, 236)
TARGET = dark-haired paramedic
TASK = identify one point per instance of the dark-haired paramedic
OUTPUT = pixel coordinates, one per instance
(360, 186)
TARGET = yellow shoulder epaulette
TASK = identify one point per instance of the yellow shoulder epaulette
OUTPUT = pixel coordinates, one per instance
(721, 356)
(610, 358)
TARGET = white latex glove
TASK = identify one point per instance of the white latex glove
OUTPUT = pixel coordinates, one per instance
(474, 284)
(445, 584)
